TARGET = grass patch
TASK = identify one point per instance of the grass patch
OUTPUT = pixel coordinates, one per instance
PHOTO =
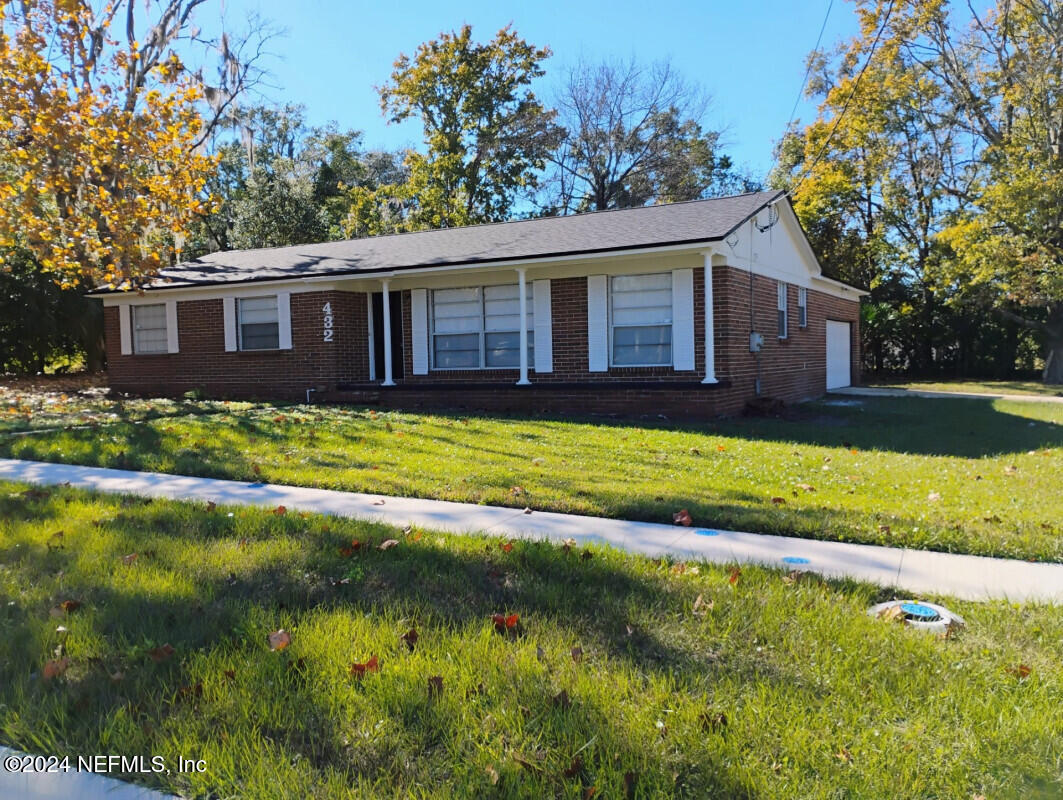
(975, 387)
(975, 476)
(770, 687)
(29, 407)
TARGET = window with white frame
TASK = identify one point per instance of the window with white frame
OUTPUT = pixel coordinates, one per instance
(149, 328)
(640, 320)
(258, 323)
(802, 307)
(479, 327)
(782, 311)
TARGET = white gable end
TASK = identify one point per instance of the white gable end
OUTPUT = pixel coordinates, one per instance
(775, 246)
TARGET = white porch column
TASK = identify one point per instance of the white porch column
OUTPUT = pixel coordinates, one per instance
(387, 336)
(710, 326)
(522, 290)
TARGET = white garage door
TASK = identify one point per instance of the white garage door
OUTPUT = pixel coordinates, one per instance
(838, 343)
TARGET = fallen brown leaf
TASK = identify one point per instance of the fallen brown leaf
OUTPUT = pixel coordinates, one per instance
(701, 608)
(561, 700)
(53, 669)
(630, 779)
(359, 670)
(278, 640)
(682, 517)
(435, 686)
(713, 721)
(892, 614)
(161, 653)
(1020, 671)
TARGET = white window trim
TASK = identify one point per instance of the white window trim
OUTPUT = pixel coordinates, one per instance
(671, 324)
(133, 329)
(784, 328)
(802, 307)
(482, 333)
(240, 327)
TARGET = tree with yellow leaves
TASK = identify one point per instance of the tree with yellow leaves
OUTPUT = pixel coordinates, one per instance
(102, 133)
(939, 147)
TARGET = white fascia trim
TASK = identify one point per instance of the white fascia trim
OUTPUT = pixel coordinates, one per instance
(838, 285)
(786, 210)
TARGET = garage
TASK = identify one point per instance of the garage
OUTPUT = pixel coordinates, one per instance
(838, 358)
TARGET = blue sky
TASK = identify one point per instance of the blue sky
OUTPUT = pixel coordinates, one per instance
(748, 55)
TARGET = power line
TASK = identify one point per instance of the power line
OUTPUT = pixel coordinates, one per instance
(845, 107)
(808, 66)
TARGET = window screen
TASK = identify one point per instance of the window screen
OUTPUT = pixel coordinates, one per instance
(149, 329)
(640, 314)
(259, 328)
(802, 307)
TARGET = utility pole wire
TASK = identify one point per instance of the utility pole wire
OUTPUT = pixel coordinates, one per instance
(845, 107)
(808, 67)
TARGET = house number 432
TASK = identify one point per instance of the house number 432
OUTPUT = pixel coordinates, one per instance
(326, 320)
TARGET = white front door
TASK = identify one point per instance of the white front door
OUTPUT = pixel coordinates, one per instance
(838, 354)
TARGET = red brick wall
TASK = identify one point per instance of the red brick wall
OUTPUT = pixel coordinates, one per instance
(791, 369)
(568, 313)
(203, 364)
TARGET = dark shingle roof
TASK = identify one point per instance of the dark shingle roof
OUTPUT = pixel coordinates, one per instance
(649, 226)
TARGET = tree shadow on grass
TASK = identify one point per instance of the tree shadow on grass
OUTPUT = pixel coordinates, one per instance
(205, 617)
(963, 427)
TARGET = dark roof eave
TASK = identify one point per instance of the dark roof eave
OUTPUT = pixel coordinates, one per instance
(448, 264)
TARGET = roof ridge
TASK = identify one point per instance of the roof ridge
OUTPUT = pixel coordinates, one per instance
(580, 214)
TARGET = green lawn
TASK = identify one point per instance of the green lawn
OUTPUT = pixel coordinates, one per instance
(616, 677)
(976, 476)
(976, 387)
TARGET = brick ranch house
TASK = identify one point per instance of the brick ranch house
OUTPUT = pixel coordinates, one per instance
(603, 312)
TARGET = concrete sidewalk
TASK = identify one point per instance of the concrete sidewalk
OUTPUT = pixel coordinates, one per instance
(887, 391)
(913, 571)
